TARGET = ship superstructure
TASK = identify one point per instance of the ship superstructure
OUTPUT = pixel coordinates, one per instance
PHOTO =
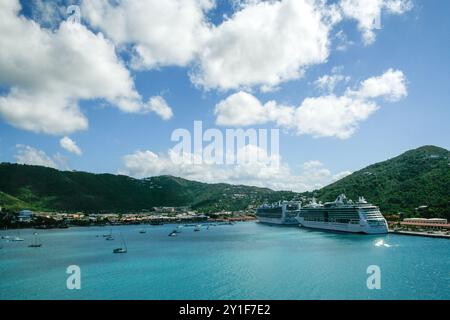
(343, 215)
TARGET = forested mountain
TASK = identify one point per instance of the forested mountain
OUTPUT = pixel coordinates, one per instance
(419, 177)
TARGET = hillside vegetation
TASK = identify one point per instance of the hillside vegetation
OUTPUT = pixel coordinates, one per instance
(419, 177)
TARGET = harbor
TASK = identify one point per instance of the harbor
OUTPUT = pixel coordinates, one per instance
(245, 260)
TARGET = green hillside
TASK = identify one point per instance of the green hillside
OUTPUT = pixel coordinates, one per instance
(44, 188)
(419, 177)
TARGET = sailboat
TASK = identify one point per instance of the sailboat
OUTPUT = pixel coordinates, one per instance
(6, 237)
(35, 244)
(121, 249)
(109, 236)
(17, 238)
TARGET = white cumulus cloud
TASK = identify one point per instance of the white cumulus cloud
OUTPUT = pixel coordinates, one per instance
(332, 116)
(158, 105)
(328, 82)
(244, 109)
(391, 85)
(323, 116)
(368, 14)
(32, 156)
(256, 171)
(52, 70)
(162, 33)
(263, 44)
(70, 145)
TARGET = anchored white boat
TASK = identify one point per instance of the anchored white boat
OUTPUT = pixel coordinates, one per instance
(343, 215)
(122, 249)
(17, 238)
(36, 243)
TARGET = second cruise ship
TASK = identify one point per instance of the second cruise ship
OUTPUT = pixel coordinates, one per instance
(283, 212)
(343, 215)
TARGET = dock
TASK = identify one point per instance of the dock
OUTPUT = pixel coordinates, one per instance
(421, 234)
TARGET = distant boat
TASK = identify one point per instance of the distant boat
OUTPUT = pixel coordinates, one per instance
(122, 249)
(173, 233)
(197, 228)
(6, 237)
(108, 236)
(17, 238)
(36, 243)
(143, 231)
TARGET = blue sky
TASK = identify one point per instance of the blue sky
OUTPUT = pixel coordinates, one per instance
(415, 42)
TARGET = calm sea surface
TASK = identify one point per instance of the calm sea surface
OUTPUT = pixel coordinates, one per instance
(241, 261)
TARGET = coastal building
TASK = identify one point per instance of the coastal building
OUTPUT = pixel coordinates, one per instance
(25, 216)
(423, 223)
(425, 220)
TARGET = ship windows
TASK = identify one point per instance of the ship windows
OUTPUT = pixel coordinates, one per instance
(269, 212)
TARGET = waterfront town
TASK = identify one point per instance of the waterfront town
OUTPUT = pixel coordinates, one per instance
(432, 227)
(158, 215)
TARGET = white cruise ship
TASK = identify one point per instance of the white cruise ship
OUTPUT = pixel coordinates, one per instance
(343, 215)
(283, 212)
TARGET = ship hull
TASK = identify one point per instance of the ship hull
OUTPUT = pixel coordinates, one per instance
(277, 221)
(343, 227)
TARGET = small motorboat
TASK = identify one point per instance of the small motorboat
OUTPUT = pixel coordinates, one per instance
(173, 233)
(197, 228)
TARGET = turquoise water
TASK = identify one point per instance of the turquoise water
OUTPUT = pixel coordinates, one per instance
(241, 261)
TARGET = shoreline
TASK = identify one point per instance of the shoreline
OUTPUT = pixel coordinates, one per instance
(420, 234)
(169, 222)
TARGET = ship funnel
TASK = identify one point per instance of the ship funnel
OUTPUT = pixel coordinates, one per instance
(341, 198)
